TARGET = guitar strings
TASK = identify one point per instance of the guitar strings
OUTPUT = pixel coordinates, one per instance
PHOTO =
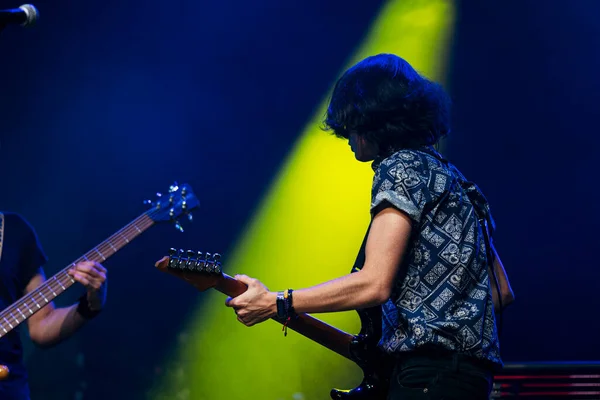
(53, 283)
(134, 228)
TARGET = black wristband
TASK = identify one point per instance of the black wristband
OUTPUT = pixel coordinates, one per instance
(281, 311)
(84, 310)
(290, 303)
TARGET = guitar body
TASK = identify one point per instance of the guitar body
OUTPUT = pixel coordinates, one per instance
(375, 364)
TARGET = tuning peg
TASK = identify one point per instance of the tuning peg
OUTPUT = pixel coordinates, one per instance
(172, 257)
(217, 265)
(178, 226)
(158, 194)
(177, 259)
(190, 217)
(191, 262)
(183, 190)
(210, 262)
(148, 203)
(200, 261)
(173, 188)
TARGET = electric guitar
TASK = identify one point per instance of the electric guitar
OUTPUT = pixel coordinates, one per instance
(179, 202)
(204, 271)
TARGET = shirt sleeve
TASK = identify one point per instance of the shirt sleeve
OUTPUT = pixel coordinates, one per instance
(401, 182)
(32, 254)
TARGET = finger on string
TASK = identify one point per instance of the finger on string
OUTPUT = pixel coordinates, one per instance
(81, 279)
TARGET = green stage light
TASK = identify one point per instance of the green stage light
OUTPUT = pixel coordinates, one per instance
(308, 229)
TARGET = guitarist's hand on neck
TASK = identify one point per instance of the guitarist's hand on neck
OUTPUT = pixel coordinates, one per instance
(256, 304)
(50, 325)
(92, 275)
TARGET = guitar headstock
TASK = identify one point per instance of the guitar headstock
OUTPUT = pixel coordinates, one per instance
(203, 270)
(179, 201)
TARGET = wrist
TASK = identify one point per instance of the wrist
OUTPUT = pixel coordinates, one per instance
(85, 310)
(272, 301)
(284, 305)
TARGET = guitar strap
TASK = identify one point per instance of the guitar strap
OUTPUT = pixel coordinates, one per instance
(482, 217)
(484, 220)
(360, 258)
(1, 233)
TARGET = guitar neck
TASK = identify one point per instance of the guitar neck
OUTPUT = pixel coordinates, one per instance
(305, 324)
(25, 307)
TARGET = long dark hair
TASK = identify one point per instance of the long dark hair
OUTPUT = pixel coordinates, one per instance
(385, 100)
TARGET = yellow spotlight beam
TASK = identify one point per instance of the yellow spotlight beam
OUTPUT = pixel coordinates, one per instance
(307, 230)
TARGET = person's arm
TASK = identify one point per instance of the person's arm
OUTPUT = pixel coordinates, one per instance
(506, 293)
(50, 325)
(371, 286)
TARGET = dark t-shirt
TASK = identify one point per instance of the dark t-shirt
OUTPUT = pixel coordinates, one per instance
(20, 260)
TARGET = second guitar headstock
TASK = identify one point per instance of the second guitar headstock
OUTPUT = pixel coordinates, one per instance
(203, 270)
(194, 261)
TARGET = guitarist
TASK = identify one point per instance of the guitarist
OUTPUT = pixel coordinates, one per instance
(21, 261)
(428, 264)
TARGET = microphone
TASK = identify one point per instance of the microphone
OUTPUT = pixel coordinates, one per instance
(26, 15)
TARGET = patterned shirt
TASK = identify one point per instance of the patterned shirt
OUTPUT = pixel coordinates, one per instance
(442, 298)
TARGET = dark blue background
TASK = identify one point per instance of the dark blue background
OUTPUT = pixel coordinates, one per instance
(105, 103)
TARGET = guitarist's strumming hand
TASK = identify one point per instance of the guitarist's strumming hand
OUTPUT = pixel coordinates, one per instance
(256, 304)
(92, 275)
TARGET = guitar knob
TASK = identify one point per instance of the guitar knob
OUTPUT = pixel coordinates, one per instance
(148, 203)
(4, 372)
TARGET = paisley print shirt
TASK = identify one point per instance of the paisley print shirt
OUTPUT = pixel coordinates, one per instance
(442, 298)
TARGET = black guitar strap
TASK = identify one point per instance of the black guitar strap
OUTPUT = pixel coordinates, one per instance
(490, 259)
(360, 258)
(484, 221)
(482, 218)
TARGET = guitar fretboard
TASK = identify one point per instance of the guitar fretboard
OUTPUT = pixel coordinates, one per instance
(29, 304)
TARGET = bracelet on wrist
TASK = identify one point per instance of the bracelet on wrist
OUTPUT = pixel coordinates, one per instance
(285, 308)
(83, 308)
